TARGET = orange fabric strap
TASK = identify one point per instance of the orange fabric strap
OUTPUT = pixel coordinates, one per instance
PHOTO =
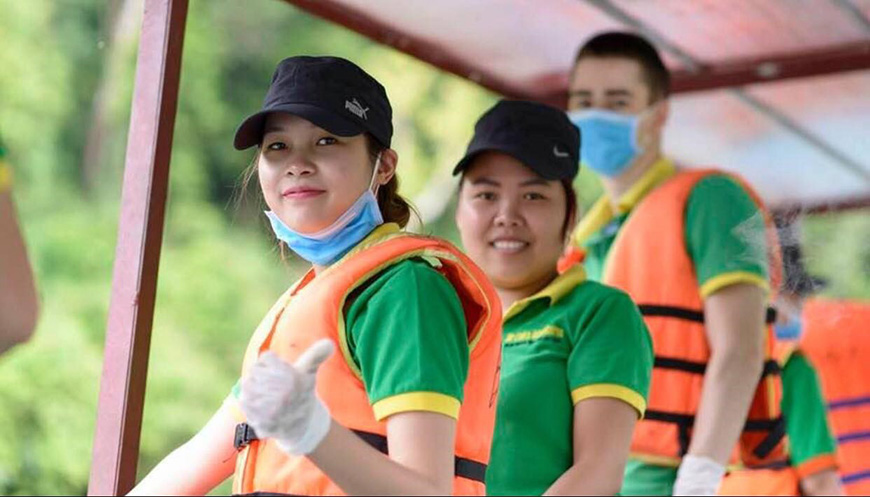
(816, 464)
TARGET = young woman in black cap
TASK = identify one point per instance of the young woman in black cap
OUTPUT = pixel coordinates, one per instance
(577, 356)
(414, 322)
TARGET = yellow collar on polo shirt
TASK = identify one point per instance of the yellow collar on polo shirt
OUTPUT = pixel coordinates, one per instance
(558, 288)
(602, 211)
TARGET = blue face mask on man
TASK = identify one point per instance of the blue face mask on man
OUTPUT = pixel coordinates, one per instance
(331, 243)
(790, 330)
(608, 140)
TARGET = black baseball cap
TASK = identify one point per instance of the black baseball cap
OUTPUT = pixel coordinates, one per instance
(331, 92)
(538, 135)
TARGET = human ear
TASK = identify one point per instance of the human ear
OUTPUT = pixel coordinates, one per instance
(387, 166)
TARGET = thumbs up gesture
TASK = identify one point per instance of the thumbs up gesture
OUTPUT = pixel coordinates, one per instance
(280, 402)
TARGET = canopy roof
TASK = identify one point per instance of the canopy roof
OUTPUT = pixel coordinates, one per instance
(777, 90)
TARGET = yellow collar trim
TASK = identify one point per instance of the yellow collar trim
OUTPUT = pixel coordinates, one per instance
(558, 288)
(377, 235)
(661, 170)
(602, 211)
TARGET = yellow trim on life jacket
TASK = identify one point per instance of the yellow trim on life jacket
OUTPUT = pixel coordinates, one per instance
(427, 255)
(670, 462)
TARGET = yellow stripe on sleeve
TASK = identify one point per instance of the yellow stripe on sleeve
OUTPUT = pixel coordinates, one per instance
(5, 177)
(611, 390)
(719, 282)
(417, 401)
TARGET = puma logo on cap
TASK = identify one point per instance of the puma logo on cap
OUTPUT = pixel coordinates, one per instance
(357, 109)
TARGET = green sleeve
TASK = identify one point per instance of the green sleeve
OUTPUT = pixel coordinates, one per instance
(725, 235)
(611, 353)
(804, 410)
(407, 335)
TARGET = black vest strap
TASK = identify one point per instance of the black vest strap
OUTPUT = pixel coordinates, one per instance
(671, 312)
(465, 468)
(462, 467)
(778, 464)
(679, 365)
(763, 449)
(684, 422)
(771, 367)
(687, 314)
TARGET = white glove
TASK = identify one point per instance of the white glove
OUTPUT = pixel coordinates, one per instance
(280, 402)
(698, 475)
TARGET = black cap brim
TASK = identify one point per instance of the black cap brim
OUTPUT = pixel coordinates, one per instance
(542, 170)
(250, 132)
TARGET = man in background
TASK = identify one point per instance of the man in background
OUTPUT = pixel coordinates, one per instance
(690, 247)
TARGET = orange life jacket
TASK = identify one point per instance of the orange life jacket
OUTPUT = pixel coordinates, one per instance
(783, 480)
(313, 309)
(649, 260)
(836, 339)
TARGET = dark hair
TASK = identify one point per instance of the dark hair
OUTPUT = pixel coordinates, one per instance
(634, 47)
(570, 205)
(394, 207)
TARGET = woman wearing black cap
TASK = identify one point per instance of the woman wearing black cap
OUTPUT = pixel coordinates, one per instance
(415, 322)
(576, 354)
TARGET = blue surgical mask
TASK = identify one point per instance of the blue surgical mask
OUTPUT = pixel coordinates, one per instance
(790, 330)
(331, 243)
(608, 140)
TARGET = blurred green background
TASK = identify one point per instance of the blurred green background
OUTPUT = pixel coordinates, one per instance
(66, 77)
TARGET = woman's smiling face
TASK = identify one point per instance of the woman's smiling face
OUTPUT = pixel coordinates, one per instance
(511, 221)
(308, 175)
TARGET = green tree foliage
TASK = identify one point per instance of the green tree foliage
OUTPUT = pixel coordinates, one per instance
(220, 270)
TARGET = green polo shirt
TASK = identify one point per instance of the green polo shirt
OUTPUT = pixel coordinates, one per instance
(811, 443)
(724, 230)
(407, 338)
(574, 340)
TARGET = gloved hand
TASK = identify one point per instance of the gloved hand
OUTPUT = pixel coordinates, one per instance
(280, 402)
(698, 475)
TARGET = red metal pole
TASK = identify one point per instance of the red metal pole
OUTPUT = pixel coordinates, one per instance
(137, 256)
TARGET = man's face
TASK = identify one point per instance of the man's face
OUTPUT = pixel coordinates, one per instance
(612, 83)
(617, 84)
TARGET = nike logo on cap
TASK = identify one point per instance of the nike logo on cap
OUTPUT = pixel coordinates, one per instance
(559, 153)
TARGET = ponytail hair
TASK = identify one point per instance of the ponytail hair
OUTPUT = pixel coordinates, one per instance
(394, 207)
